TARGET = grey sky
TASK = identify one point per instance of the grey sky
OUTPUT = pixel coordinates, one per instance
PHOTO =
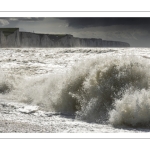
(135, 31)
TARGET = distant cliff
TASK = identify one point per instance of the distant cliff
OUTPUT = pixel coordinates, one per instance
(11, 37)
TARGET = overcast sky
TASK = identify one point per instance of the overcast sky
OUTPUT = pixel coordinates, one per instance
(135, 31)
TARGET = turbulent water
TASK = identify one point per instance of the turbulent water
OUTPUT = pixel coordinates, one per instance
(99, 85)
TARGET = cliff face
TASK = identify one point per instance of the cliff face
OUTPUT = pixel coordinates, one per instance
(114, 44)
(2, 39)
(70, 41)
(27, 39)
(45, 40)
(90, 42)
(11, 40)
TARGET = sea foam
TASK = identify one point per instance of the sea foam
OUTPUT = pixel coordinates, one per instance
(105, 88)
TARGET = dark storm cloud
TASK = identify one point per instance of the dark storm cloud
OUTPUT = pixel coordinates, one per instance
(135, 31)
(94, 22)
(23, 18)
(30, 18)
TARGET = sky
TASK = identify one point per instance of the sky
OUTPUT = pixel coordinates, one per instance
(135, 31)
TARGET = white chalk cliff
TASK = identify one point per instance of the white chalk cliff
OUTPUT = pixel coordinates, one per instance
(28, 39)
(11, 40)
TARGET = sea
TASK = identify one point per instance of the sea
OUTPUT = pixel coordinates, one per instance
(106, 87)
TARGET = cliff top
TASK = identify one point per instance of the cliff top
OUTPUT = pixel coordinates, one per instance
(8, 31)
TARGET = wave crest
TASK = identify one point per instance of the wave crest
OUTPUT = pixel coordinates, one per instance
(133, 109)
(94, 90)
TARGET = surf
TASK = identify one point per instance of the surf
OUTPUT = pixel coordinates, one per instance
(94, 90)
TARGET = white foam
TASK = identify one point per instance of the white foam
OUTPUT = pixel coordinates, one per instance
(132, 109)
(84, 83)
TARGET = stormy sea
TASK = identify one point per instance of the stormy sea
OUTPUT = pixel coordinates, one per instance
(75, 90)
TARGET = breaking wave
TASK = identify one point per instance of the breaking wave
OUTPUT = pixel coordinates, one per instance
(133, 109)
(6, 83)
(95, 90)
